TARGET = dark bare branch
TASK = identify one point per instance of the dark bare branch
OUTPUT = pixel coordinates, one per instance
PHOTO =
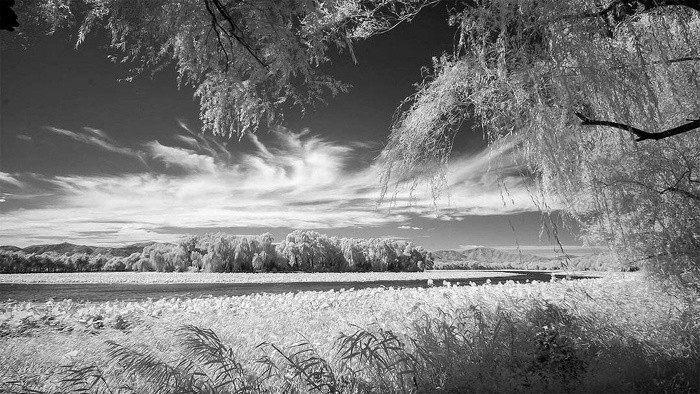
(216, 27)
(619, 10)
(672, 189)
(682, 59)
(233, 30)
(650, 4)
(641, 134)
(684, 192)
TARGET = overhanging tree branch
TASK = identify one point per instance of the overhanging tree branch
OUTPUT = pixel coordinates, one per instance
(681, 191)
(680, 59)
(618, 10)
(234, 31)
(649, 4)
(641, 134)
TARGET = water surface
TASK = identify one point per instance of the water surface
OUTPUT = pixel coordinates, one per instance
(100, 292)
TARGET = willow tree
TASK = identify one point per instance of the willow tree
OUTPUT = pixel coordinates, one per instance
(602, 97)
(248, 60)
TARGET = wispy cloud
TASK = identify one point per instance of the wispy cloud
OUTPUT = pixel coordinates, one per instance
(95, 138)
(404, 227)
(183, 158)
(9, 179)
(99, 133)
(192, 142)
(296, 180)
(467, 247)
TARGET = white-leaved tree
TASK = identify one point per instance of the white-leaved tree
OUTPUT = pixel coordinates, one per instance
(602, 96)
(248, 60)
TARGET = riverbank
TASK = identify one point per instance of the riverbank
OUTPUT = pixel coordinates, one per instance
(129, 291)
(265, 277)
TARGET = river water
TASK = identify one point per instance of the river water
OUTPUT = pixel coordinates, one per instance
(135, 292)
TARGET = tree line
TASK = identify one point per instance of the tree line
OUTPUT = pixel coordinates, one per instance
(300, 250)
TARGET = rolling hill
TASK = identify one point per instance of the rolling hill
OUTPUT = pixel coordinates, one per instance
(486, 255)
(68, 248)
(490, 258)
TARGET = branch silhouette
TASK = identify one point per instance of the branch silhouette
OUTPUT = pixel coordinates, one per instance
(641, 134)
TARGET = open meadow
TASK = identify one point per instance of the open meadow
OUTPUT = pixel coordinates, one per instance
(618, 333)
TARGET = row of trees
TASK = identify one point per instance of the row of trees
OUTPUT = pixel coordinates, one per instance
(21, 262)
(218, 252)
(311, 251)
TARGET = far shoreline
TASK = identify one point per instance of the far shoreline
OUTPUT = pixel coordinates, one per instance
(211, 285)
(263, 277)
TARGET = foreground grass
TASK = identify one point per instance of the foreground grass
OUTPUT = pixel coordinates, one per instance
(617, 333)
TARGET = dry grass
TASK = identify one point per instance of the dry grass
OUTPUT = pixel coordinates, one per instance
(598, 323)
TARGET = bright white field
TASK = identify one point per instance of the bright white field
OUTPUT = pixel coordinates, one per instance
(241, 277)
(65, 332)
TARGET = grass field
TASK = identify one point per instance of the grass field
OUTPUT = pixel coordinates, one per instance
(618, 333)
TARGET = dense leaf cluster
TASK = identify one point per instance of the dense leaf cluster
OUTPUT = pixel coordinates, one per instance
(247, 61)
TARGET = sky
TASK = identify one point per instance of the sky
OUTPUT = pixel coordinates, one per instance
(88, 159)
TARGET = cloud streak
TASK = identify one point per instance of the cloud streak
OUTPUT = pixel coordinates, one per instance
(185, 159)
(97, 138)
(290, 180)
(9, 179)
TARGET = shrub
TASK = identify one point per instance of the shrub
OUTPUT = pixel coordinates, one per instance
(115, 264)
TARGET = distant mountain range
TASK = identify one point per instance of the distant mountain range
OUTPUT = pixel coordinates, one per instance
(63, 248)
(486, 258)
(487, 255)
